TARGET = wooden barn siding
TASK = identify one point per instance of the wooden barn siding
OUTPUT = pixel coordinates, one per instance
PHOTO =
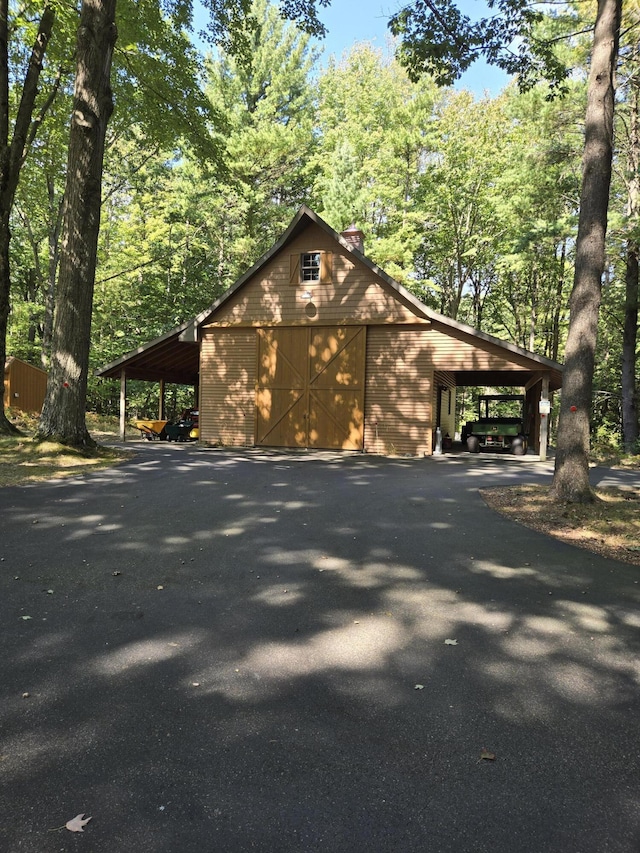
(227, 387)
(454, 349)
(398, 393)
(25, 386)
(355, 295)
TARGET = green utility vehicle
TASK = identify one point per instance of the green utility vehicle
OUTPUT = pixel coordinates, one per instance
(497, 426)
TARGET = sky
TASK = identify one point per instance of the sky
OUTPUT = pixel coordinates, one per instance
(351, 21)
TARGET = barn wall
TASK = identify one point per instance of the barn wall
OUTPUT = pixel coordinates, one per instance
(405, 366)
(353, 296)
(227, 382)
(25, 386)
(398, 395)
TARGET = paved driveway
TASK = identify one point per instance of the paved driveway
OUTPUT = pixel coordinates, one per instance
(238, 652)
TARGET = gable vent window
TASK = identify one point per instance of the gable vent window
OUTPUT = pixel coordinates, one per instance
(311, 267)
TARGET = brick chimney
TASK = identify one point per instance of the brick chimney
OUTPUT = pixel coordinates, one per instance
(354, 237)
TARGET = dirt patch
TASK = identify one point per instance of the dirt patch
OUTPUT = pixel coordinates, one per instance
(610, 526)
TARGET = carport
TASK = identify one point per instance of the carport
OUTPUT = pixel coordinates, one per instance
(537, 386)
(166, 359)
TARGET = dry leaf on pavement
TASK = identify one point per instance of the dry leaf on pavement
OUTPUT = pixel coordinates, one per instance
(76, 824)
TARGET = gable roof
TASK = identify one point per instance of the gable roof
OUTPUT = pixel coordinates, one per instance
(300, 222)
(303, 218)
(13, 359)
(154, 360)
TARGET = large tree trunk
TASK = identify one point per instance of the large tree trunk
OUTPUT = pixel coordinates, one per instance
(13, 151)
(571, 477)
(63, 414)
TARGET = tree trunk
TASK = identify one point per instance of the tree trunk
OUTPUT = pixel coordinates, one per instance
(63, 414)
(629, 342)
(12, 155)
(54, 226)
(557, 310)
(571, 477)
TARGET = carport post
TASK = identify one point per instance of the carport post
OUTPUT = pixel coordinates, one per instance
(161, 402)
(123, 402)
(544, 420)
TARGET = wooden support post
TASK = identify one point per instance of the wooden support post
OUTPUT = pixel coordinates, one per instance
(161, 407)
(544, 420)
(123, 403)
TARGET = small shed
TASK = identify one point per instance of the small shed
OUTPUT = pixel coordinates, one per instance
(25, 385)
(317, 347)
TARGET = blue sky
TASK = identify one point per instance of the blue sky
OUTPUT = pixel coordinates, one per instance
(351, 21)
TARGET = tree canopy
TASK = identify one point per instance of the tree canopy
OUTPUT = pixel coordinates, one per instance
(472, 203)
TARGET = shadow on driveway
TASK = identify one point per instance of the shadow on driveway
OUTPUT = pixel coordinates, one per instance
(246, 651)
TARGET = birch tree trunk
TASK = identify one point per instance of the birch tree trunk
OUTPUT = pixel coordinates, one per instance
(571, 477)
(63, 415)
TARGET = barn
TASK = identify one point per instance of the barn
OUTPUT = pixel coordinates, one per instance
(24, 385)
(317, 347)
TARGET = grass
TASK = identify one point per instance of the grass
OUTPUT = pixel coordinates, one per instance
(609, 526)
(23, 460)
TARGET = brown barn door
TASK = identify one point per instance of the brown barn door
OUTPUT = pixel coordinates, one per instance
(336, 387)
(310, 389)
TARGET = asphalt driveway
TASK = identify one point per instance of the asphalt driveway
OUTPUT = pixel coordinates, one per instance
(219, 651)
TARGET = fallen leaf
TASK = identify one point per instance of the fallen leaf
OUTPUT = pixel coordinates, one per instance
(26, 617)
(451, 642)
(76, 824)
(419, 687)
(487, 756)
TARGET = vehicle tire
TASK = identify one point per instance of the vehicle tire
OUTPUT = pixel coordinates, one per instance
(473, 444)
(519, 445)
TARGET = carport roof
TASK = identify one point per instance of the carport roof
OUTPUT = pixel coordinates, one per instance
(165, 358)
(174, 356)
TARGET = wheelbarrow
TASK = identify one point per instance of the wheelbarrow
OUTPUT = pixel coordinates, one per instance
(152, 430)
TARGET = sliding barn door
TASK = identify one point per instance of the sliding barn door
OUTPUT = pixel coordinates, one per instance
(310, 389)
